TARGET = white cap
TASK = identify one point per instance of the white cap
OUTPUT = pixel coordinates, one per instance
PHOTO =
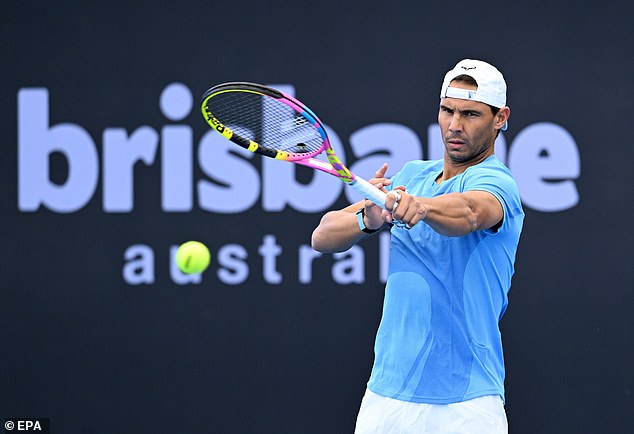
(491, 85)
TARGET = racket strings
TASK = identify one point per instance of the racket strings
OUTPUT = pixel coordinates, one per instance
(267, 121)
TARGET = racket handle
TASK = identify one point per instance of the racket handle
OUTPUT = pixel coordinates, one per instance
(369, 191)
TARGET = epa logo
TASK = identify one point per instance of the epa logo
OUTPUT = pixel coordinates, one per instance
(26, 425)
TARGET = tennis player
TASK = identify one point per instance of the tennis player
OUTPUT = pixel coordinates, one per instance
(455, 226)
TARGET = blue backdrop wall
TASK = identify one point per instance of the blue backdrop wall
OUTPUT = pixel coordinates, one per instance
(108, 165)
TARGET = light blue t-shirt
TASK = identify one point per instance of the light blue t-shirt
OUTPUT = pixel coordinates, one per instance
(439, 340)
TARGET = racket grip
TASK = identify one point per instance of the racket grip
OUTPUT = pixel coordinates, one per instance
(369, 191)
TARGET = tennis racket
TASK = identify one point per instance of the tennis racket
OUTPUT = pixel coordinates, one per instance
(268, 122)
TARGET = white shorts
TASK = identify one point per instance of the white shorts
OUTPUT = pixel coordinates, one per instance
(381, 415)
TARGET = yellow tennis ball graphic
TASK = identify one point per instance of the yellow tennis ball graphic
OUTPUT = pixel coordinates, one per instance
(192, 257)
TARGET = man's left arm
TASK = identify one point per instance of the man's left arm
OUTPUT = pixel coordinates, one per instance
(452, 214)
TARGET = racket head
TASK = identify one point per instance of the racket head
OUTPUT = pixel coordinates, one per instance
(264, 120)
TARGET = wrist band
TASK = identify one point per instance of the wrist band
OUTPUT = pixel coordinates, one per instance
(362, 226)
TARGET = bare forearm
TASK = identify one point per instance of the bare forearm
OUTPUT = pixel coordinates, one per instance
(453, 214)
(337, 231)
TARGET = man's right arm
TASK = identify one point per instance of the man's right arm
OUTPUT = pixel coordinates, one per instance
(338, 230)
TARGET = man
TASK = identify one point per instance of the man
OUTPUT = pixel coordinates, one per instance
(455, 226)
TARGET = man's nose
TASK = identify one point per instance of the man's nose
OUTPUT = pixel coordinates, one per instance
(456, 122)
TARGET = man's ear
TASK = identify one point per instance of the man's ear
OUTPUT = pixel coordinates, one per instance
(501, 117)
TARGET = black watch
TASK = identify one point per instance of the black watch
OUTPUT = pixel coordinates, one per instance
(362, 226)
